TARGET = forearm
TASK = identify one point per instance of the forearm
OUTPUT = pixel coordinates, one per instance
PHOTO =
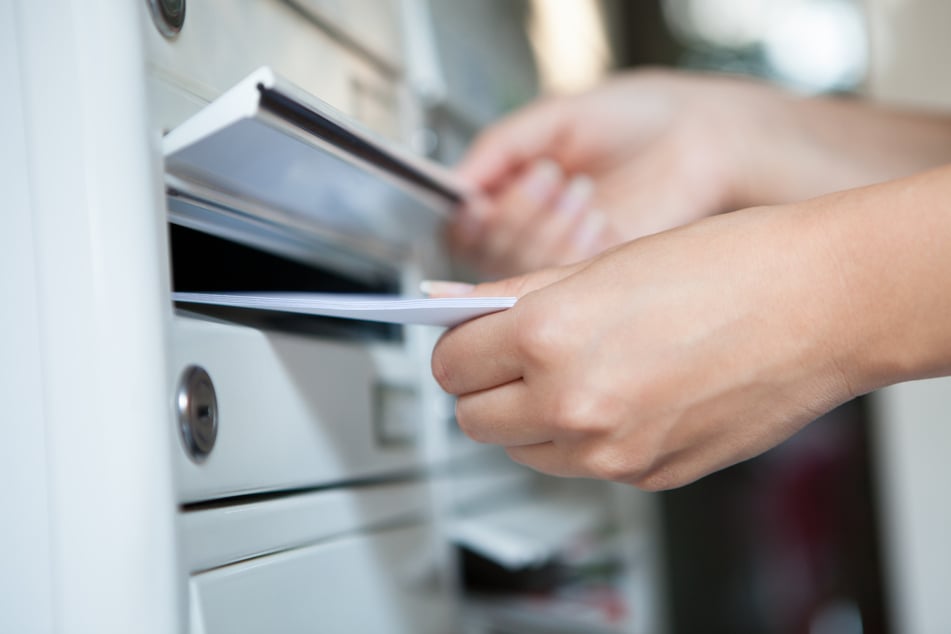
(870, 143)
(810, 147)
(888, 249)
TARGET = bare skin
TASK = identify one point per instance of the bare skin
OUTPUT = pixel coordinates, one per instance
(680, 353)
(570, 176)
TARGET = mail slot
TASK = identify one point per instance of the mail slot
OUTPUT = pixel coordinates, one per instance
(203, 262)
(270, 189)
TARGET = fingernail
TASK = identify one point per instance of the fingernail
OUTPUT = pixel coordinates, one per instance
(575, 196)
(589, 231)
(542, 180)
(439, 288)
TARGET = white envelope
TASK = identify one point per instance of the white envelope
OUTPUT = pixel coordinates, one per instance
(396, 309)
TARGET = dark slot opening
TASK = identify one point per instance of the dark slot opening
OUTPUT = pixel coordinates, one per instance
(205, 263)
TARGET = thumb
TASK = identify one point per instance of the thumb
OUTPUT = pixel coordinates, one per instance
(510, 287)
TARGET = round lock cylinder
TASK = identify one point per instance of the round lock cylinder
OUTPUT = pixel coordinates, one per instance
(197, 407)
(168, 15)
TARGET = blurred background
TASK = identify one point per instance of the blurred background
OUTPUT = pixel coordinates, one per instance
(795, 540)
(810, 46)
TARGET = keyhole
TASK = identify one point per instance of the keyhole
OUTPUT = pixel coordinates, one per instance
(197, 412)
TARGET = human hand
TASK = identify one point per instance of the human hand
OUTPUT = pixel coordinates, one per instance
(570, 176)
(661, 360)
(558, 173)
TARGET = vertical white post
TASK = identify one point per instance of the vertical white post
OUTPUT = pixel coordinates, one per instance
(89, 326)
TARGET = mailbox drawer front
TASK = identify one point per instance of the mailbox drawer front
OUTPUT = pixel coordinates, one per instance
(377, 582)
(293, 412)
(222, 41)
(226, 534)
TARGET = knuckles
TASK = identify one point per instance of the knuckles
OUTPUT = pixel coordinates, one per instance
(441, 370)
(584, 406)
(638, 469)
(607, 463)
(658, 480)
(539, 334)
(579, 411)
(580, 408)
(468, 424)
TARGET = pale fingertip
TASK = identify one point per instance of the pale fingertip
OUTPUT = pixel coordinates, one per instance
(541, 181)
(588, 232)
(575, 196)
(441, 288)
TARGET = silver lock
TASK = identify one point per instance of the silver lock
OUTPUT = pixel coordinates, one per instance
(197, 408)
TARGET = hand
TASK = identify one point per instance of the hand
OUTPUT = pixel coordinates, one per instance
(663, 359)
(568, 177)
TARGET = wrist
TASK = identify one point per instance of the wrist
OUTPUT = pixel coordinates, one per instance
(886, 274)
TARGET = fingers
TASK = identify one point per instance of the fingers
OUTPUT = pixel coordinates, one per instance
(489, 228)
(466, 231)
(536, 221)
(517, 208)
(517, 164)
(483, 353)
(511, 416)
(587, 239)
(509, 145)
(478, 355)
(543, 241)
(551, 458)
(502, 415)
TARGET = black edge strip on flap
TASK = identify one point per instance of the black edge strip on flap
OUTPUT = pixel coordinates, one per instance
(323, 128)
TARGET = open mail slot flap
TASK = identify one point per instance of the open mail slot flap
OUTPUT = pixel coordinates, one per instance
(269, 152)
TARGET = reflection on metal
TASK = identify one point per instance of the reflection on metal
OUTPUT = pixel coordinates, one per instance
(266, 164)
(168, 15)
(197, 408)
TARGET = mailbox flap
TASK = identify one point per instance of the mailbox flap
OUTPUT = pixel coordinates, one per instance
(266, 158)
